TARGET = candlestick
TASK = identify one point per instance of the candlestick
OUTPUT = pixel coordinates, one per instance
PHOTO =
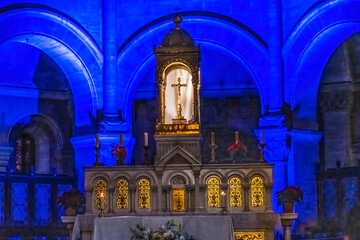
(213, 154)
(222, 202)
(146, 140)
(261, 137)
(97, 141)
(121, 140)
(237, 139)
(212, 138)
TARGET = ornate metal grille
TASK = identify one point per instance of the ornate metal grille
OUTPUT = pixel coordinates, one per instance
(122, 194)
(213, 192)
(257, 192)
(144, 193)
(178, 200)
(235, 192)
(100, 187)
(249, 236)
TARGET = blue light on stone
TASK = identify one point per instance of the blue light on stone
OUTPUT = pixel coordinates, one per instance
(42, 204)
(1, 202)
(19, 203)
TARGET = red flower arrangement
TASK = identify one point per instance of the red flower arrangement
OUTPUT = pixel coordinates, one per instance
(72, 200)
(118, 151)
(237, 147)
(290, 195)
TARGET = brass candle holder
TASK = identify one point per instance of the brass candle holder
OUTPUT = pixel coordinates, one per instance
(97, 156)
(262, 153)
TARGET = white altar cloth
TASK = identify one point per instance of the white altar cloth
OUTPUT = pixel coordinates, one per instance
(200, 227)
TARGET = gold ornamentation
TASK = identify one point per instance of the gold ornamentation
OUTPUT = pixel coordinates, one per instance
(144, 193)
(257, 192)
(235, 192)
(249, 236)
(122, 194)
(100, 187)
(178, 200)
(176, 129)
(213, 192)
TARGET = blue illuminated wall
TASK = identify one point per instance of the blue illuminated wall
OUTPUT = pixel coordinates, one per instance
(262, 60)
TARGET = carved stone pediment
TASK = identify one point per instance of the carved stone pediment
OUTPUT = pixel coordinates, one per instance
(177, 156)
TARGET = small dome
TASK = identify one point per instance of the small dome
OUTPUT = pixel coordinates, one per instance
(177, 37)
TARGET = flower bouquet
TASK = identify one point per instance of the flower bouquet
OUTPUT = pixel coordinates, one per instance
(169, 231)
(72, 200)
(288, 196)
(119, 152)
(237, 149)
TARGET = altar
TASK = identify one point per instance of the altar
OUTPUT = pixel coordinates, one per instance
(200, 227)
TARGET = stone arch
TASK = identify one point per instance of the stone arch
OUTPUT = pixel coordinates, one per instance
(171, 176)
(136, 58)
(308, 48)
(67, 44)
(206, 176)
(257, 173)
(48, 137)
(232, 174)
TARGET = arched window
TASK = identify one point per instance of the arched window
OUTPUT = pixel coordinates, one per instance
(257, 192)
(178, 194)
(235, 192)
(100, 187)
(213, 186)
(122, 193)
(25, 154)
(144, 193)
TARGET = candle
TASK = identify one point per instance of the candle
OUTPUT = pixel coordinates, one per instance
(237, 137)
(121, 140)
(212, 138)
(146, 140)
(97, 141)
(222, 202)
(261, 137)
(102, 201)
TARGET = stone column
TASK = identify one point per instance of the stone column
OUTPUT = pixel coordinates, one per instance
(167, 190)
(197, 190)
(89, 200)
(160, 201)
(111, 200)
(275, 56)
(110, 60)
(132, 189)
(286, 221)
(268, 197)
(154, 199)
(188, 197)
(247, 202)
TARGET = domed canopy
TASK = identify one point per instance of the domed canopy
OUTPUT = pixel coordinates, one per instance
(177, 37)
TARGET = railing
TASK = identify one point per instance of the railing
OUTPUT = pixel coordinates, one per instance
(28, 206)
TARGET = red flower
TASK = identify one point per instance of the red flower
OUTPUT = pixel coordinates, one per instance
(289, 195)
(236, 147)
(118, 151)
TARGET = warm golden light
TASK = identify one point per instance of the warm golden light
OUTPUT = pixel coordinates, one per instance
(144, 193)
(223, 193)
(257, 192)
(235, 192)
(122, 190)
(250, 235)
(100, 194)
(213, 192)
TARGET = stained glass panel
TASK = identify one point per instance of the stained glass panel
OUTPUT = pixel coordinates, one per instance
(249, 236)
(257, 192)
(235, 192)
(19, 203)
(144, 193)
(213, 192)
(100, 187)
(330, 198)
(122, 194)
(42, 204)
(1, 202)
(178, 200)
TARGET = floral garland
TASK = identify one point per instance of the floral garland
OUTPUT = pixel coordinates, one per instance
(165, 232)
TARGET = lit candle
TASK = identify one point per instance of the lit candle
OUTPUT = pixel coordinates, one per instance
(261, 137)
(222, 202)
(97, 141)
(102, 201)
(121, 140)
(237, 137)
(212, 138)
